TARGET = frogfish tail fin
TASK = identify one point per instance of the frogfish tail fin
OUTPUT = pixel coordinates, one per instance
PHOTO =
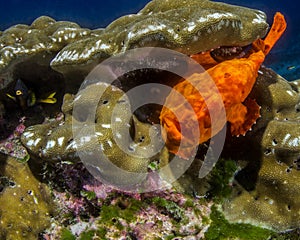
(276, 31)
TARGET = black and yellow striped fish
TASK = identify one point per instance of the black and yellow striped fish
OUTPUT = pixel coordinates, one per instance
(25, 97)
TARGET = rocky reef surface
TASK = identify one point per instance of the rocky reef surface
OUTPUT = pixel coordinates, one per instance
(255, 183)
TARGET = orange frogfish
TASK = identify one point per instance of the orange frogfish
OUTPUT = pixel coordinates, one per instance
(234, 80)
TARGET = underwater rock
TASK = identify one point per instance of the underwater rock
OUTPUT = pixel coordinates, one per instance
(55, 141)
(188, 27)
(268, 192)
(25, 203)
(158, 215)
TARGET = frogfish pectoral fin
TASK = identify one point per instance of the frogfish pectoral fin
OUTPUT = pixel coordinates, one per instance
(183, 145)
(243, 116)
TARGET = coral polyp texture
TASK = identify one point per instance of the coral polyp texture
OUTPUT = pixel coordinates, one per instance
(189, 27)
(55, 141)
(26, 205)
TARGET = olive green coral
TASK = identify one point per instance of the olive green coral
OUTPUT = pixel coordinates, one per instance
(186, 26)
(38, 43)
(56, 141)
(25, 203)
(273, 199)
(189, 27)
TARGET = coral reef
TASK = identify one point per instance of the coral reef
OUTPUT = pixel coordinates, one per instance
(25, 203)
(54, 141)
(35, 45)
(160, 215)
(192, 27)
(189, 28)
(267, 189)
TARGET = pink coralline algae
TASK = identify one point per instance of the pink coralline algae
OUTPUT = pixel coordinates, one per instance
(69, 203)
(101, 191)
(154, 215)
(12, 146)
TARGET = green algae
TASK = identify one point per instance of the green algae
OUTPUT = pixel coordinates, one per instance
(176, 212)
(100, 233)
(122, 210)
(188, 203)
(220, 178)
(89, 195)
(93, 234)
(67, 235)
(220, 228)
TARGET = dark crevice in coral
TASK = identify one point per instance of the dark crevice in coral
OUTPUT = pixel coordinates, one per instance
(148, 112)
(42, 81)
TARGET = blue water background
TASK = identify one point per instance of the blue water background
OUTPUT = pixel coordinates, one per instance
(285, 57)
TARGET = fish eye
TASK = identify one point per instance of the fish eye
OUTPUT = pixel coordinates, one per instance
(19, 92)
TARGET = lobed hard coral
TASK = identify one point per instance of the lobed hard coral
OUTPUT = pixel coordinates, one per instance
(233, 80)
(200, 25)
(267, 189)
(23, 47)
(57, 140)
(26, 205)
(188, 27)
